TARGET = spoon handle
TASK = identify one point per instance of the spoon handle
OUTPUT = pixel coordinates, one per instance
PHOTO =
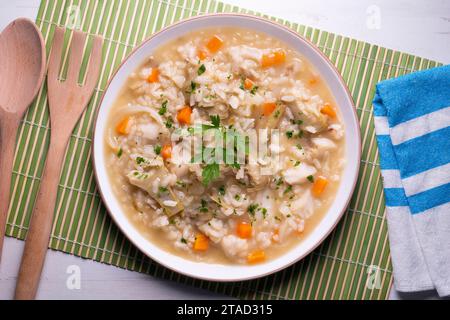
(41, 223)
(8, 132)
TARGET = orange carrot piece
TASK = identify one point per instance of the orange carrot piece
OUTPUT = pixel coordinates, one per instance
(244, 230)
(124, 126)
(312, 81)
(268, 108)
(319, 186)
(154, 76)
(166, 151)
(274, 58)
(184, 115)
(201, 54)
(256, 256)
(201, 242)
(248, 84)
(328, 110)
(214, 44)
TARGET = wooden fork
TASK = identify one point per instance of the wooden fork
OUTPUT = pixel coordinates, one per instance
(67, 100)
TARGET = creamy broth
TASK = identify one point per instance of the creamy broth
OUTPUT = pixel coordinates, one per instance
(311, 139)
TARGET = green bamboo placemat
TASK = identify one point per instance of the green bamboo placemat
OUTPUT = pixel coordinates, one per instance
(354, 261)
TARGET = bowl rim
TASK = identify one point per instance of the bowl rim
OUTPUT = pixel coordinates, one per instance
(358, 149)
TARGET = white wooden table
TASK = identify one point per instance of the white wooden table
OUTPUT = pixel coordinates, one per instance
(420, 27)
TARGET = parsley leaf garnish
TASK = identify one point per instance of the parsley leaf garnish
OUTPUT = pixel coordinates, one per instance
(210, 173)
(252, 209)
(287, 190)
(203, 206)
(215, 120)
(201, 70)
(140, 160)
(169, 123)
(163, 108)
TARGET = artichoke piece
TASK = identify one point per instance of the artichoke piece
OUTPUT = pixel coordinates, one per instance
(164, 196)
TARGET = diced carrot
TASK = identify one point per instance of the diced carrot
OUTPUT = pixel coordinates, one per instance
(268, 108)
(274, 58)
(201, 242)
(248, 84)
(154, 76)
(201, 54)
(214, 44)
(184, 115)
(124, 126)
(319, 186)
(166, 151)
(312, 81)
(328, 110)
(256, 256)
(244, 230)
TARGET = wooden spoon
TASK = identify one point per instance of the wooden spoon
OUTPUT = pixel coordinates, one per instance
(22, 69)
(67, 100)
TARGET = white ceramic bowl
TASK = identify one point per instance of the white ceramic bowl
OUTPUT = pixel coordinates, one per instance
(217, 272)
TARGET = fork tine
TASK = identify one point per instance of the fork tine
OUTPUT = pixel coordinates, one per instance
(76, 55)
(93, 68)
(55, 55)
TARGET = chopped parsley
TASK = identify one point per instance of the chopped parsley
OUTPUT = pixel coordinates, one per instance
(237, 197)
(193, 87)
(169, 123)
(287, 190)
(222, 190)
(297, 163)
(277, 113)
(163, 108)
(263, 211)
(162, 189)
(215, 120)
(120, 152)
(254, 89)
(183, 240)
(181, 183)
(310, 178)
(297, 122)
(157, 148)
(203, 206)
(215, 123)
(279, 181)
(252, 209)
(201, 70)
(140, 160)
(289, 134)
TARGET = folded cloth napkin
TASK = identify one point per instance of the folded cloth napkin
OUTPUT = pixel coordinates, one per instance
(412, 123)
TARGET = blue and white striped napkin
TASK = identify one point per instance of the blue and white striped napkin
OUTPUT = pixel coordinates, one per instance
(412, 122)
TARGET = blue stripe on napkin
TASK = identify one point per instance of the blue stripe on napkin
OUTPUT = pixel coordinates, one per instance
(412, 122)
